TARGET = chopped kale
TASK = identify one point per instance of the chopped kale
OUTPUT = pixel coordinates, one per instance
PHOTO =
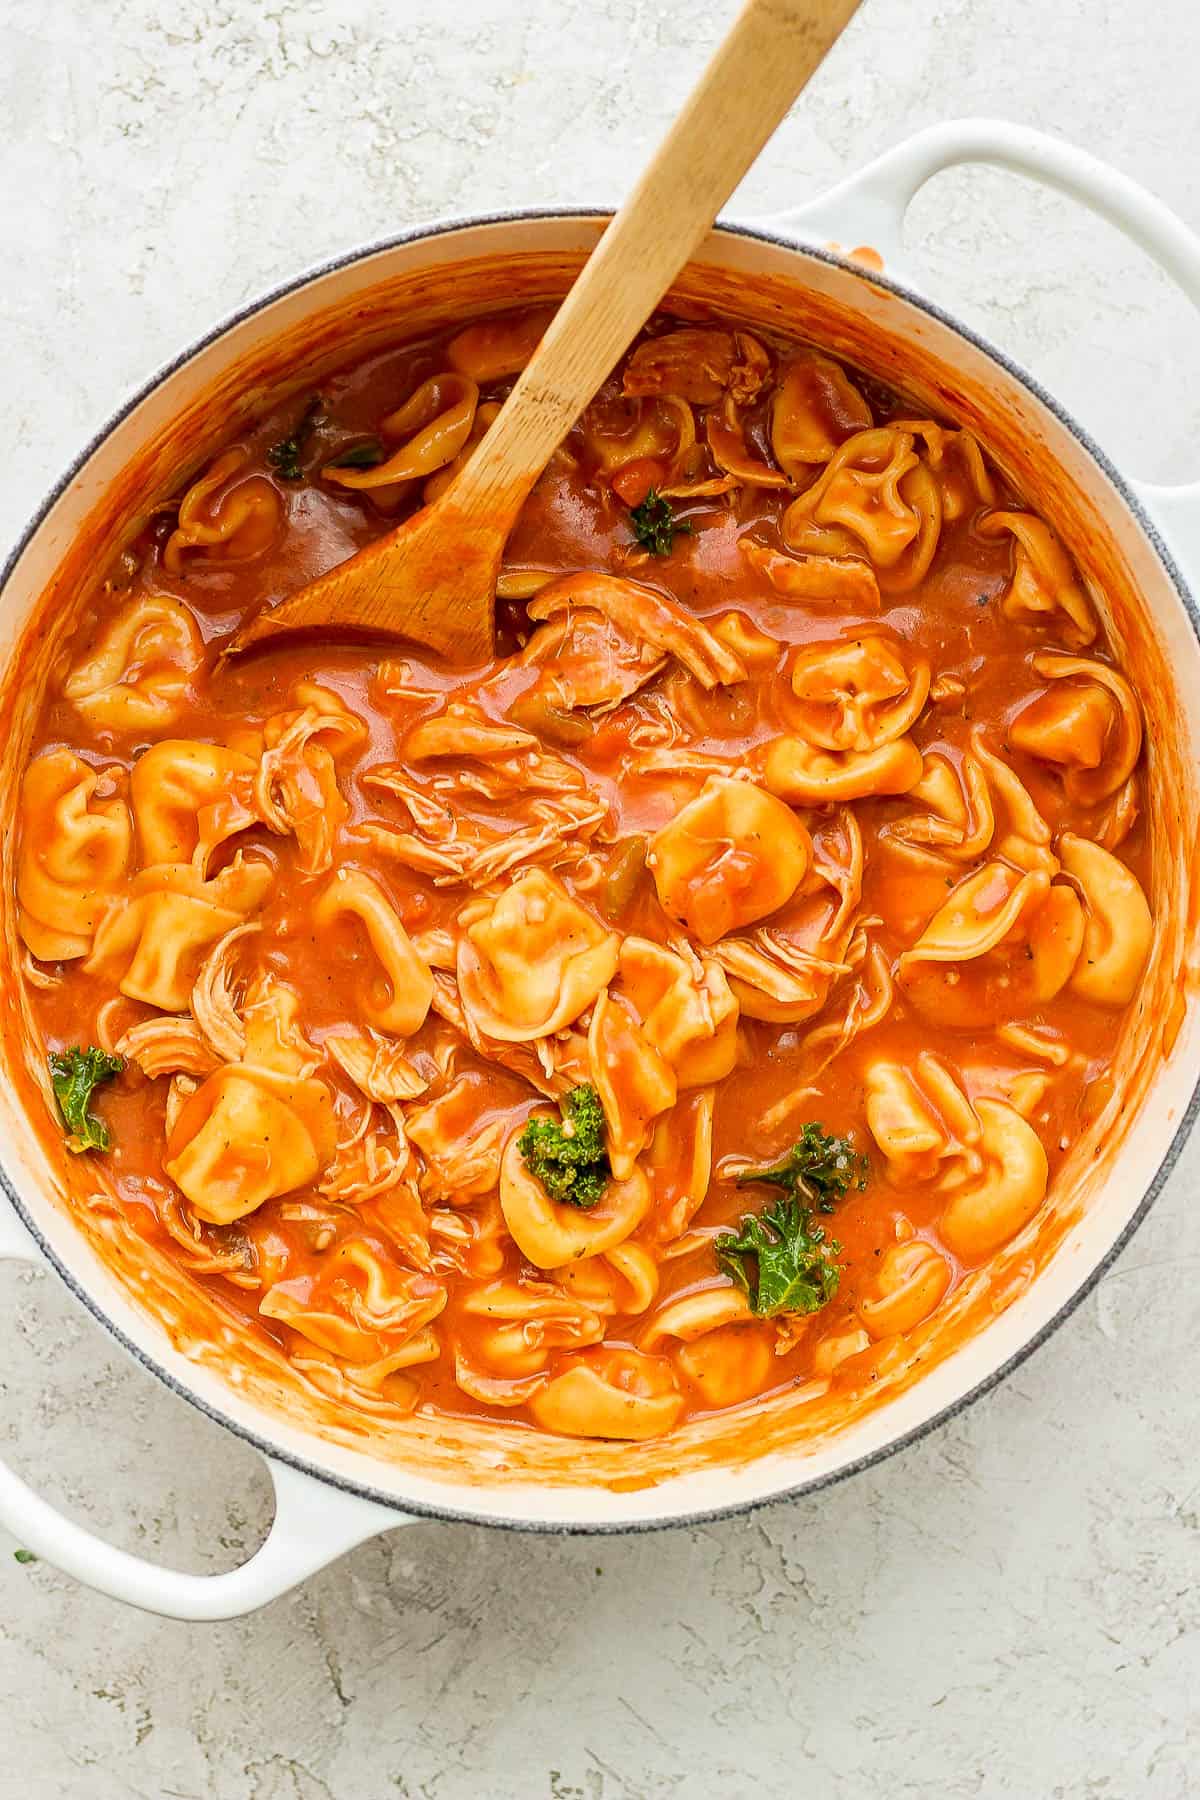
(284, 457)
(360, 456)
(655, 525)
(817, 1170)
(781, 1258)
(75, 1074)
(569, 1157)
(794, 1268)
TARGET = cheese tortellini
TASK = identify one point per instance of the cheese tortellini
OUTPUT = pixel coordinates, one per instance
(498, 347)
(679, 1163)
(1118, 930)
(876, 498)
(729, 857)
(430, 429)
(981, 1154)
(717, 1344)
(856, 693)
(982, 1217)
(76, 842)
(621, 1280)
(685, 1007)
(189, 798)
(1034, 917)
(135, 676)
(1044, 585)
(396, 997)
(248, 1134)
(227, 516)
(816, 407)
(549, 1233)
(530, 961)
(611, 1393)
(796, 771)
(634, 1082)
(1008, 938)
(152, 946)
(1088, 723)
(921, 1120)
(909, 1284)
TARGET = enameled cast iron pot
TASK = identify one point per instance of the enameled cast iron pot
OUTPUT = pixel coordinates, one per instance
(1135, 543)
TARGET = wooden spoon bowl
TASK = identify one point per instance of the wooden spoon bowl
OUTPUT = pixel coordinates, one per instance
(433, 578)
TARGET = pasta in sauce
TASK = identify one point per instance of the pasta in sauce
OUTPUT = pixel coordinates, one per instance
(665, 1015)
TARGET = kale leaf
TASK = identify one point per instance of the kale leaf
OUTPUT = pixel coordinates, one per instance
(794, 1268)
(817, 1170)
(569, 1157)
(360, 456)
(655, 525)
(75, 1074)
(284, 457)
(780, 1258)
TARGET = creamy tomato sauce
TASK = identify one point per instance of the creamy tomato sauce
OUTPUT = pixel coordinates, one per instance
(802, 793)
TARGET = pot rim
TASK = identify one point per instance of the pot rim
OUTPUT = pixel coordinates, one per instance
(767, 233)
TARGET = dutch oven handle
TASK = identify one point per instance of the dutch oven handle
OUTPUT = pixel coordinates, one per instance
(869, 209)
(314, 1524)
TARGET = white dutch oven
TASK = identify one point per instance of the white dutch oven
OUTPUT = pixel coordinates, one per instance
(1136, 543)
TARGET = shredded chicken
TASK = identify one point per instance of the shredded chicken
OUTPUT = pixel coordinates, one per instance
(645, 616)
(460, 833)
(208, 1249)
(586, 661)
(377, 1066)
(394, 678)
(273, 1035)
(179, 1092)
(35, 975)
(213, 1006)
(168, 1045)
(295, 788)
(470, 1240)
(869, 1004)
(842, 580)
(370, 1160)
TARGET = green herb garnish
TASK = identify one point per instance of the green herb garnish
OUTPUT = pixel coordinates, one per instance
(75, 1075)
(794, 1265)
(817, 1170)
(24, 1556)
(360, 456)
(655, 525)
(284, 457)
(569, 1157)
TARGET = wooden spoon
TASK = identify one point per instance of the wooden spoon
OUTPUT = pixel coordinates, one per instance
(433, 578)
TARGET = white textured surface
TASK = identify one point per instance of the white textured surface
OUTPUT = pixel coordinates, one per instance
(1009, 1609)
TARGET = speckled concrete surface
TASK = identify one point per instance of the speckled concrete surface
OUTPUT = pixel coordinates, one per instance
(1012, 1607)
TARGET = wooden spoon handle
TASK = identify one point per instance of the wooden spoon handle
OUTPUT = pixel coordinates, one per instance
(747, 88)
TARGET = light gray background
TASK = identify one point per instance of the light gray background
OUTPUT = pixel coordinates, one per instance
(1009, 1609)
